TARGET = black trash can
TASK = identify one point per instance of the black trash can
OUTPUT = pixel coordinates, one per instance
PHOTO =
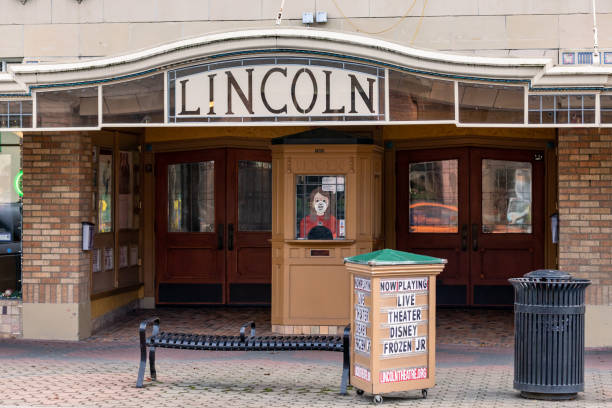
(549, 334)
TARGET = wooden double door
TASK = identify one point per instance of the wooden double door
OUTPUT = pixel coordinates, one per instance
(213, 227)
(481, 209)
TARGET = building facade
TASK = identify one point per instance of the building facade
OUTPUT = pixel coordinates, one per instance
(181, 153)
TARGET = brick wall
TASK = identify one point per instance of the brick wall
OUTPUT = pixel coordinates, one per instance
(57, 185)
(585, 209)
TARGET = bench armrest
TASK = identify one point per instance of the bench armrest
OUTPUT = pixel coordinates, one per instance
(142, 331)
(244, 327)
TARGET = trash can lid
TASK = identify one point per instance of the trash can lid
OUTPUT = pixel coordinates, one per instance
(393, 257)
(547, 274)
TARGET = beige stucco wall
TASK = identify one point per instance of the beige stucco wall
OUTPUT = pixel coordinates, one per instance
(484, 27)
(598, 326)
(56, 321)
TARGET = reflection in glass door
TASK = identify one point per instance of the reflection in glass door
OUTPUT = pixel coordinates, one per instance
(506, 197)
(433, 196)
(481, 209)
(191, 197)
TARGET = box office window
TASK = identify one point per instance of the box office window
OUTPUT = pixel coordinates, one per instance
(491, 103)
(413, 97)
(137, 101)
(67, 108)
(320, 207)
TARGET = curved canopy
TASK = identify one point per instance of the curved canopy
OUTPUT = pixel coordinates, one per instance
(370, 80)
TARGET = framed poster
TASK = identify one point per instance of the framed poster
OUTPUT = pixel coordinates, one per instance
(123, 256)
(108, 259)
(96, 262)
(105, 191)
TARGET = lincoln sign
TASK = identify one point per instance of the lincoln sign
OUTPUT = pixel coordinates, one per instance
(273, 92)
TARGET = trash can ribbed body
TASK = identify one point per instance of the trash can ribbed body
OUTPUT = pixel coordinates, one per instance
(549, 335)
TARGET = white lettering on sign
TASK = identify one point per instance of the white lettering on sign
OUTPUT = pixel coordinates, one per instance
(406, 300)
(363, 373)
(361, 298)
(275, 90)
(402, 331)
(403, 285)
(362, 314)
(408, 346)
(402, 374)
(361, 329)
(404, 315)
(363, 344)
(363, 284)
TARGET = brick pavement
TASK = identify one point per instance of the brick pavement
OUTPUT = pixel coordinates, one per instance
(101, 372)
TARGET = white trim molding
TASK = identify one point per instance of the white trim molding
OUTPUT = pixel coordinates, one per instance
(534, 71)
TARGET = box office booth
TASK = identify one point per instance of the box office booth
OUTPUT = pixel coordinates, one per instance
(327, 206)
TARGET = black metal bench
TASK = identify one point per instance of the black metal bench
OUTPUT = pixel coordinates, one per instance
(237, 343)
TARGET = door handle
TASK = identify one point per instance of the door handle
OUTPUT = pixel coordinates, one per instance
(464, 237)
(474, 237)
(220, 230)
(230, 237)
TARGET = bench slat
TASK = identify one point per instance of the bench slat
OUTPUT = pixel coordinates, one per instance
(235, 343)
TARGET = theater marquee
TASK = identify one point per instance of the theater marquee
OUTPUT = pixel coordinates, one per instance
(276, 89)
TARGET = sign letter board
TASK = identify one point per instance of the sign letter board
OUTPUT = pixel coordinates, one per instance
(393, 321)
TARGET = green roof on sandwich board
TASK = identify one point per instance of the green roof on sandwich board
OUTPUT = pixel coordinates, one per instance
(393, 257)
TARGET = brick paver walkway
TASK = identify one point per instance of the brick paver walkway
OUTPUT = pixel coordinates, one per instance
(101, 372)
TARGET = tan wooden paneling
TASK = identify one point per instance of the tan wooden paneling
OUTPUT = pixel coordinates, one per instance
(326, 299)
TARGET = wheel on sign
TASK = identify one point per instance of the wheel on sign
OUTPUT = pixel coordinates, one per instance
(378, 399)
(424, 393)
(359, 392)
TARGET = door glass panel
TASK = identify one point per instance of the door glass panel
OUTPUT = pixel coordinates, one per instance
(191, 197)
(254, 196)
(433, 196)
(506, 196)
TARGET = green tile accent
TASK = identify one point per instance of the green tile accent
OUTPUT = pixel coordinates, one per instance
(393, 257)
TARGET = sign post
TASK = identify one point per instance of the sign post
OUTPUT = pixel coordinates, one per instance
(393, 316)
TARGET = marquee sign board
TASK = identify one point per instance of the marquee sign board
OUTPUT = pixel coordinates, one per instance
(276, 89)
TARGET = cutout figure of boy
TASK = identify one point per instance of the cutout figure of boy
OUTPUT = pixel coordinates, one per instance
(320, 224)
